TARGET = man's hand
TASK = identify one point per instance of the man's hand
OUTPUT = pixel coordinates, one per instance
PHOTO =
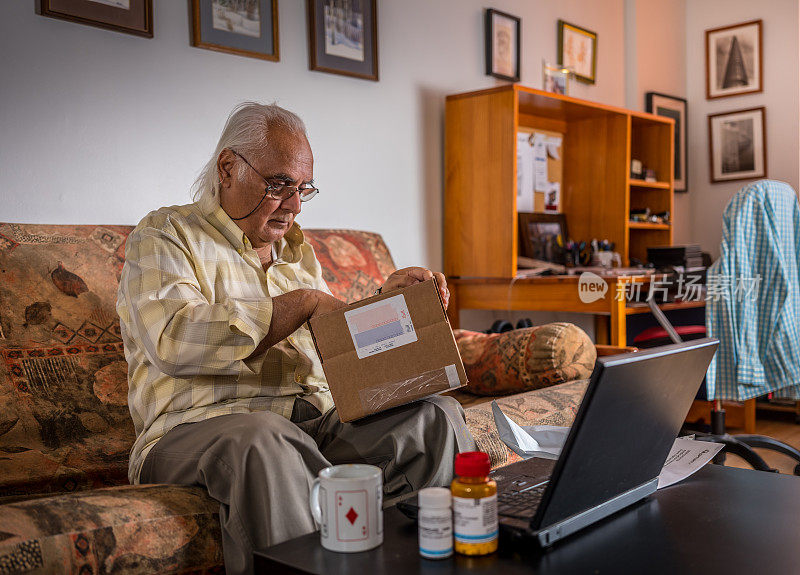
(410, 276)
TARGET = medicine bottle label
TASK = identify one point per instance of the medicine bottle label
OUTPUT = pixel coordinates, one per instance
(475, 520)
(435, 533)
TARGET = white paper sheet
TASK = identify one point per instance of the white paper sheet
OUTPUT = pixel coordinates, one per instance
(686, 456)
(540, 163)
(524, 173)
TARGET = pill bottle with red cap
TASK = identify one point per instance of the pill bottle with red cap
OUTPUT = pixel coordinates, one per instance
(474, 505)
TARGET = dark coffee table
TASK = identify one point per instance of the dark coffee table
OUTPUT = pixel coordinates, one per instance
(720, 520)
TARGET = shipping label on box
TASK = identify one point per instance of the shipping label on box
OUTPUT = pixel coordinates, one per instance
(388, 350)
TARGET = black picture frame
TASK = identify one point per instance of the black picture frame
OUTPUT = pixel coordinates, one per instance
(502, 53)
(573, 58)
(358, 32)
(538, 236)
(215, 30)
(136, 19)
(737, 145)
(676, 108)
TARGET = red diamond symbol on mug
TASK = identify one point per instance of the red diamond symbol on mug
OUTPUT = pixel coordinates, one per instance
(351, 516)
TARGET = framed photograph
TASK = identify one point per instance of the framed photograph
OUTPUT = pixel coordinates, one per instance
(502, 45)
(539, 236)
(577, 50)
(675, 108)
(343, 37)
(738, 145)
(129, 16)
(241, 27)
(733, 60)
(555, 79)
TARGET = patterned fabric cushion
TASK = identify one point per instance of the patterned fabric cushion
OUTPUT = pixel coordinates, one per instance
(354, 263)
(134, 529)
(64, 420)
(549, 406)
(525, 359)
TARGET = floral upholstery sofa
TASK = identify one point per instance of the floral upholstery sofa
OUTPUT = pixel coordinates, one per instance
(65, 430)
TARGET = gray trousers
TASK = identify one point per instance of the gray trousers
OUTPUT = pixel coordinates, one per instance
(260, 466)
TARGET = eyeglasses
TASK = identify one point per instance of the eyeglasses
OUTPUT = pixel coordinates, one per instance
(278, 189)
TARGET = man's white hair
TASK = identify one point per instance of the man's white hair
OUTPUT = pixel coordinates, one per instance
(246, 132)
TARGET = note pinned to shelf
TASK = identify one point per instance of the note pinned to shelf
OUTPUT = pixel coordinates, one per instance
(525, 178)
(540, 163)
(553, 144)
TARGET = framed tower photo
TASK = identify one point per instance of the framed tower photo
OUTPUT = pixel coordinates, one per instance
(734, 60)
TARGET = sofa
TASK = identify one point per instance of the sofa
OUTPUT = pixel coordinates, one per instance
(65, 429)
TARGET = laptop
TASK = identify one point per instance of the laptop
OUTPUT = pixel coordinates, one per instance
(632, 411)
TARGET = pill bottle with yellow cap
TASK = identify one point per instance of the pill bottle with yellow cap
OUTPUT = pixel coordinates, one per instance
(474, 505)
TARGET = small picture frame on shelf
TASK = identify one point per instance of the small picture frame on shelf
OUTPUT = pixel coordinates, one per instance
(675, 108)
(128, 16)
(738, 145)
(577, 51)
(734, 60)
(542, 236)
(242, 27)
(555, 79)
(502, 45)
(343, 38)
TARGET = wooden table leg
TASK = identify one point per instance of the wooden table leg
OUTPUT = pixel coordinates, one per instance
(601, 327)
(618, 322)
(452, 307)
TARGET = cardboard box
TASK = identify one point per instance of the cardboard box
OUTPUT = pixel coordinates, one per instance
(388, 350)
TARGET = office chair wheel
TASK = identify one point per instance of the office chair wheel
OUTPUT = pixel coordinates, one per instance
(797, 469)
(524, 322)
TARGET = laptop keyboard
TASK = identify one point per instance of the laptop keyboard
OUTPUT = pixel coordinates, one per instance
(520, 503)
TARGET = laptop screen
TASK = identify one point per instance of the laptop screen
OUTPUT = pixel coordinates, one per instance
(627, 422)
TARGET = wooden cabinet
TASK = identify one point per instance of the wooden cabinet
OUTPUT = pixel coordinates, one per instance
(597, 192)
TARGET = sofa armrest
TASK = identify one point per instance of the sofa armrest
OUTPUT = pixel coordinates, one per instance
(525, 359)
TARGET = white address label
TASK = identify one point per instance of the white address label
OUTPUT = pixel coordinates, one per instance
(380, 326)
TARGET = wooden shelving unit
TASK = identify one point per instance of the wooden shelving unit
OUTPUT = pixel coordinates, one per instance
(481, 236)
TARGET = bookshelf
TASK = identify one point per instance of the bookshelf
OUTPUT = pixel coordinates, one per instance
(597, 192)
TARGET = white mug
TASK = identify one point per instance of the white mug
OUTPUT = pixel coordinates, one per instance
(346, 501)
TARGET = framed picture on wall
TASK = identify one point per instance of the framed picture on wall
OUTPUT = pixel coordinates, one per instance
(343, 37)
(577, 50)
(502, 45)
(738, 145)
(129, 16)
(675, 108)
(242, 27)
(541, 236)
(733, 60)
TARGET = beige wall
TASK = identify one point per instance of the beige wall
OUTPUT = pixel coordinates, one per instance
(781, 97)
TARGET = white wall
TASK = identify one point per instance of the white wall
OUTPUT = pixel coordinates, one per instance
(101, 127)
(781, 97)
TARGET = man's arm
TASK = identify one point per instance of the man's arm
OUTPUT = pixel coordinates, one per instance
(293, 309)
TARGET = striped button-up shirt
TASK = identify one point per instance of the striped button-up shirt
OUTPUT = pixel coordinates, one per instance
(194, 302)
(753, 303)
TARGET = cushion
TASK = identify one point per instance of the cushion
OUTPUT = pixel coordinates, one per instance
(525, 359)
(131, 529)
(354, 263)
(64, 420)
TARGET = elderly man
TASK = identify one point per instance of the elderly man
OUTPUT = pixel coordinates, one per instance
(226, 389)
